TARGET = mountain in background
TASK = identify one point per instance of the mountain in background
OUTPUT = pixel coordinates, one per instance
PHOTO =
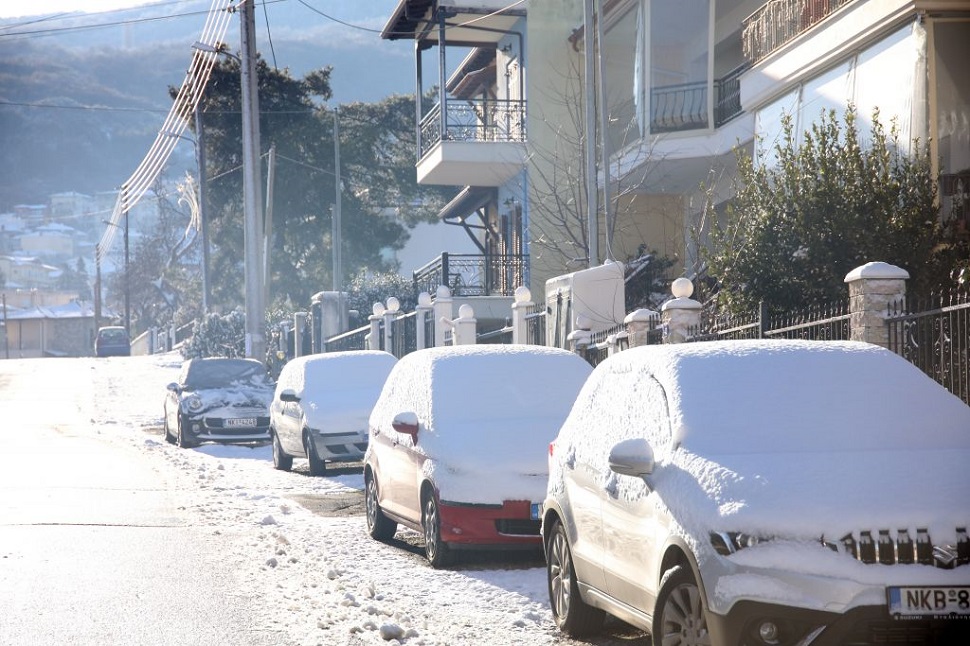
(82, 98)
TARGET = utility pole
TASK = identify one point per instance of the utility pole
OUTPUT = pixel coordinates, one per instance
(252, 202)
(592, 196)
(97, 285)
(268, 233)
(604, 131)
(335, 236)
(203, 212)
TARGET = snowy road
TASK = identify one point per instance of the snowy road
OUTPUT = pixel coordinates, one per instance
(108, 535)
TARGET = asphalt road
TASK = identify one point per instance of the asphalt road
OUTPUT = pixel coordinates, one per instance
(95, 546)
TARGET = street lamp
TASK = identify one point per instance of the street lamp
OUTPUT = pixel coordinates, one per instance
(127, 275)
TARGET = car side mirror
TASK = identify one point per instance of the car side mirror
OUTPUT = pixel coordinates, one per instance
(174, 387)
(407, 424)
(632, 458)
(289, 395)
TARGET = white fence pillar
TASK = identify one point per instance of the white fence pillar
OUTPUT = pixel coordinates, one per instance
(421, 313)
(466, 326)
(520, 308)
(374, 336)
(299, 326)
(390, 313)
(442, 311)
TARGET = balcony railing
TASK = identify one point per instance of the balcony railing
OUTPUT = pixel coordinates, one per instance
(474, 120)
(684, 106)
(780, 21)
(472, 274)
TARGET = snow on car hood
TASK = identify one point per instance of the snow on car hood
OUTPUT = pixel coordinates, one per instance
(810, 495)
(215, 399)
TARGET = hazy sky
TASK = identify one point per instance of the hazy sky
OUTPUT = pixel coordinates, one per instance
(16, 8)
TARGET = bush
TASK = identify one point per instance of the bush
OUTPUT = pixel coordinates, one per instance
(217, 335)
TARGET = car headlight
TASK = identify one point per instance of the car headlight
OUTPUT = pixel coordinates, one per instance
(193, 403)
(730, 542)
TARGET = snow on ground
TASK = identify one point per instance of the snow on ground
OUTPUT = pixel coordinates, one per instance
(321, 580)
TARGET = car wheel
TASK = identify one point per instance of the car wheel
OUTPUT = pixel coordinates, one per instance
(679, 616)
(317, 466)
(379, 526)
(436, 550)
(180, 439)
(281, 460)
(572, 615)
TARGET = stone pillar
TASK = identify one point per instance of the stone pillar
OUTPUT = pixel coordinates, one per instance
(390, 313)
(520, 327)
(681, 314)
(421, 313)
(638, 325)
(299, 325)
(442, 312)
(872, 287)
(581, 336)
(374, 336)
(466, 326)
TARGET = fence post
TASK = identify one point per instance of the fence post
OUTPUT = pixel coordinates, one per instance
(872, 288)
(523, 301)
(374, 336)
(421, 313)
(442, 310)
(299, 325)
(390, 313)
(579, 339)
(466, 332)
(638, 325)
(681, 313)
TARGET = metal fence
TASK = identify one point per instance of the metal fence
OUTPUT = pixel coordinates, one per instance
(404, 334)
(351, 340)
(933, 333)
(814, 323)
(472, 274)
(535, 323)
(474, 120)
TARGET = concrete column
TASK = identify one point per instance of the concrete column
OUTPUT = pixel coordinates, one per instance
(299, 325)
(638, 325)
(872, 287)
(520, 327)
(390, 313)
(681, 313)
(581, 336)
(374, 336)
(421, 314)
(466, 327)
(442, 311)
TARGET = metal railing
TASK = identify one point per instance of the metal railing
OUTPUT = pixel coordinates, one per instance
(474, 120)
(684, 106)
(933, 333)
(815, 323)
(780, 21)
(535, 323)
(404, 334)
(350, 340)
(472, 274)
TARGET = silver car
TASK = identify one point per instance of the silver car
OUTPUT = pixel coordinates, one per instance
(762, 493)
(321, 406)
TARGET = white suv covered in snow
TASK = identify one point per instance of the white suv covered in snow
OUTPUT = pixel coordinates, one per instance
(762, 492)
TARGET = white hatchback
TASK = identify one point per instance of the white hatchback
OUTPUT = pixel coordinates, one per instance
(762, 493)
(322, 404)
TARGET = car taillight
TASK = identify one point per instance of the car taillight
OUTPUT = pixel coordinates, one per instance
(552, 448)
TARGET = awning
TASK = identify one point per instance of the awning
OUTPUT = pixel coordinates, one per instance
(466, 203)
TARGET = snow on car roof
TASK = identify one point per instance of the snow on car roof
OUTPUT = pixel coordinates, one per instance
(803, 438)
(348, 370)
(484, 408)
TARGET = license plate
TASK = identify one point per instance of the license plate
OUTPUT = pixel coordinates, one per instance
(535, 511)
(925, 602)
(248, 422)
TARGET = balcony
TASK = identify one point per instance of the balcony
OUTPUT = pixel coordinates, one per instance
(475, 141)
(781, 21)
(472, 275)
(674, 108)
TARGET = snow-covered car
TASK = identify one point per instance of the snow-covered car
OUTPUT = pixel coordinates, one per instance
(762, 492)
(219, 400)
(322, 405)
(458, 444)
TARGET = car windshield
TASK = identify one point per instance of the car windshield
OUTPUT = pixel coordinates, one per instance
(221, 373)
(113, 335)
